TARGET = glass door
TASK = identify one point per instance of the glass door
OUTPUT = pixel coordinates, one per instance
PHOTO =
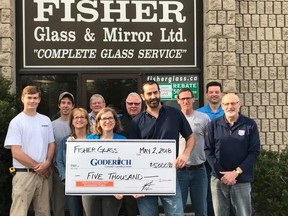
(113, 87)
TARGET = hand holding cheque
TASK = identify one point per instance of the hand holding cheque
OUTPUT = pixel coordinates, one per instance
(108, 167)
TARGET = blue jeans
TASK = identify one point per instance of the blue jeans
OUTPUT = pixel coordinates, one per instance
(74, 204)
(210, 210)
(195, 181)
(227, 198)
(148, 205)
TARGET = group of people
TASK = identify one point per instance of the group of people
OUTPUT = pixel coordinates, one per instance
(217, 148)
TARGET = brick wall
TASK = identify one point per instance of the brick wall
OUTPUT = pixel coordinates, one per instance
(7, 40)
(262, 44)
(246, 42)
(219, 44)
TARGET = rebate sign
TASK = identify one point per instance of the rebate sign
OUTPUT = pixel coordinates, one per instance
(109, 33)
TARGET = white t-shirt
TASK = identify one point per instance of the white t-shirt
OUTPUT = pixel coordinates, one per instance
(32, 133)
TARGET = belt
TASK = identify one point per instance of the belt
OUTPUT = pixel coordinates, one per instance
(192, 167)
(24, 170)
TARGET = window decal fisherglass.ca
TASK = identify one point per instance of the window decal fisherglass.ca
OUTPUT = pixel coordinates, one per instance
(170, 85)
(109, 33)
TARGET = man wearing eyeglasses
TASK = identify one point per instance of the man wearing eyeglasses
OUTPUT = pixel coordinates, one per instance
(232, 146)
(133, 105)
(193, 177)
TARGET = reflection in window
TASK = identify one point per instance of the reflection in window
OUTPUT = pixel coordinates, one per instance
(51, 86)
(114, 91)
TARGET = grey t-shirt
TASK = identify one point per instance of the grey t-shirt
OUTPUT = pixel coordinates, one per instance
(198, 122)
(61, 129)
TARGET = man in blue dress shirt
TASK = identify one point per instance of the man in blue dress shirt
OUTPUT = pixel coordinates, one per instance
(214, 110)
(214, 96)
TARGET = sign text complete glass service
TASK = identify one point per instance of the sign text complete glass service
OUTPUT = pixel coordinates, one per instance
(109, 33)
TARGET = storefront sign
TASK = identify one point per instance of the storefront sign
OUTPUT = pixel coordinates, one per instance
(121, 167)
(109, 33)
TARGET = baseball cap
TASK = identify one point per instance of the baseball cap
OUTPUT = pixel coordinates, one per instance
(66, 94)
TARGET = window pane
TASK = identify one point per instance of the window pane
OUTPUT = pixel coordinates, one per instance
(51, 86)
(114, 91)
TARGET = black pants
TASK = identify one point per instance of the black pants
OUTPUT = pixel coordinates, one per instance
(101, 205)
(129, 207)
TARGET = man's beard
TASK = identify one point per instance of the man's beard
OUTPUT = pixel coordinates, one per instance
(154, 103)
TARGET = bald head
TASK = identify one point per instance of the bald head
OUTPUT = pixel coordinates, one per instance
(230, 97)
(231, 106)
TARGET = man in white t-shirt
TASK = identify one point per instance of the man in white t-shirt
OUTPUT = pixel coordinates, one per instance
(30, 138)
(61, 129)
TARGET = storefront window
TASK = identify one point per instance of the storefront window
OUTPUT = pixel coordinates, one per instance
(114, 91)
(51, 86)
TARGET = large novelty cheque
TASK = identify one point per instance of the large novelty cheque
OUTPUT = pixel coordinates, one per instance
(121, 167)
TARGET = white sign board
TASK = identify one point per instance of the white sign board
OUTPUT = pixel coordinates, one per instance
(106, 167)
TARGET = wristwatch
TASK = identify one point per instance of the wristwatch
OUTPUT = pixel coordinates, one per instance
(238, 172)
